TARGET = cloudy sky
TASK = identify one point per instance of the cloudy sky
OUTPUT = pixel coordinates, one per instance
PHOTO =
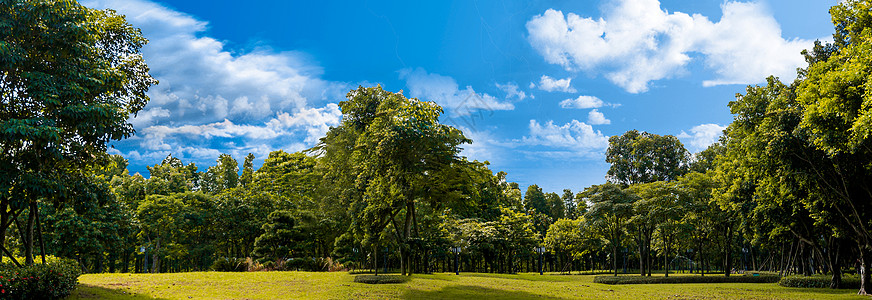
(539, 86)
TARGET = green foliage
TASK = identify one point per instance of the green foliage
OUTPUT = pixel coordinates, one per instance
(645, 157)
(229, 264)
(818, 281)
(54, 280)
(684, 279)
(280, 238)
(222, 176)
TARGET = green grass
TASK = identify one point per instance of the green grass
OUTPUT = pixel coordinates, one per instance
(341, 285)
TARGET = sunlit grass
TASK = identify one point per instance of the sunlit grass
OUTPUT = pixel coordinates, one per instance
(340, 285)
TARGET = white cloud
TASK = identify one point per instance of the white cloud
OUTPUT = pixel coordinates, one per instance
(575, 136)
(595, 117)
(548, 84)
(444, 91)
(512, 91)
(636, 42)
(701, 136)
(582, 102)
(213, 100)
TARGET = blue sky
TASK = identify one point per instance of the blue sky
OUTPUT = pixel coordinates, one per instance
(539, 86)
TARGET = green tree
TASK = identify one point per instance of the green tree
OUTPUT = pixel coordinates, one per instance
(222, 176)
(565, 240)
(247, 170)
(280, 237)
(569, 203)
(645, 157)
(611, 208)
(534, 199)
(70, 78)
(397, 144)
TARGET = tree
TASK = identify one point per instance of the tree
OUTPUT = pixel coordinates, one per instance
(556, 209)
(70, 78)
(534, 199)
(564, 239)
(280, 237)
(568, 199)
(837, 119)
(645, 157)
(222, 176)
(247, 170)
(611, 208)
(397, 144)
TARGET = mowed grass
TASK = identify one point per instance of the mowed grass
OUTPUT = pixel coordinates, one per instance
(340, 285)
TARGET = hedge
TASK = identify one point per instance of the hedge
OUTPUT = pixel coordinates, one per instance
(54, 280)
(373, 279)
(819, 281)
(685, 279)
(228, 264)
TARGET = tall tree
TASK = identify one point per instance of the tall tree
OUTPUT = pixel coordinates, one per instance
(611, 208)
(645, 157)
(568, 199)
(70, 78)
(397, 144)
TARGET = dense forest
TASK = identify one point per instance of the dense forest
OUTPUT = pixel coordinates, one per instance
(786, 189)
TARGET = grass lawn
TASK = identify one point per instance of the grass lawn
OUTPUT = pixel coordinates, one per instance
(340, 285)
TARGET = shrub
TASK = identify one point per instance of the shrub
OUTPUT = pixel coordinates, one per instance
(685, 279)
(227, 264)
(818, 281)
(54, 280)
(380, 279)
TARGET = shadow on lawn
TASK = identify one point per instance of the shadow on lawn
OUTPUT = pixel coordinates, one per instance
(84, 291)
(471, 292)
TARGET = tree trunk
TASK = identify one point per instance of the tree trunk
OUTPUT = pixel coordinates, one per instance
(865, 263)
(835, 263)
(155, 260)
(728, 259)
(614, 259)
(39, 232)
(4, 218)
(28, 237)
(666, 258)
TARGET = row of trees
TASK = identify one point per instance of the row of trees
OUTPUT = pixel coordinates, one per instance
(787, 188)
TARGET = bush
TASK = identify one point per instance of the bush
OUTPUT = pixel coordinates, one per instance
(380, 279)
(685, 279)
(818, 281)
(227, 264)
(54, 280)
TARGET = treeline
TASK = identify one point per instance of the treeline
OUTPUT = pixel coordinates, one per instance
(786, 189)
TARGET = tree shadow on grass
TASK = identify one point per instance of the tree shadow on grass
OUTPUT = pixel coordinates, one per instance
(84, 291)
(472, 292)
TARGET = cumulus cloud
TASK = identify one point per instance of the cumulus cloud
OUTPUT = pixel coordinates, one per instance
(636, 42)
(701, 136)
(575, 138)
(445, 91)
(548, 84)
(582, 102)
(214, 100)
(595, 117)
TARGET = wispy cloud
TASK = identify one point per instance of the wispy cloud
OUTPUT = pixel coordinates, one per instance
(636, 42)
(445, 91)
